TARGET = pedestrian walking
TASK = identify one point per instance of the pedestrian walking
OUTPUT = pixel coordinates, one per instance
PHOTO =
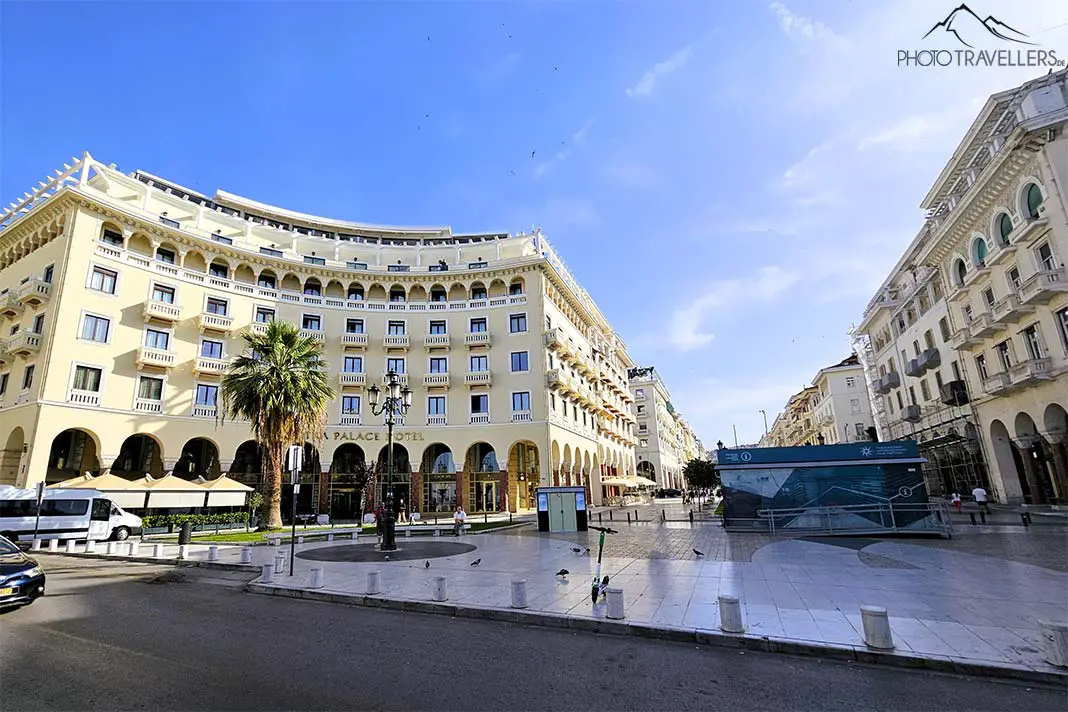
(955, 499)
(980, 496)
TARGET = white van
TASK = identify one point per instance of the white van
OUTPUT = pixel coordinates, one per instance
(65, 514)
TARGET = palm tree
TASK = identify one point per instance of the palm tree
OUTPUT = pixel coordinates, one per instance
(280, 385)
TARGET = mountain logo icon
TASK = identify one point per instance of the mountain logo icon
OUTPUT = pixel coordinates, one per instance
(963, 22)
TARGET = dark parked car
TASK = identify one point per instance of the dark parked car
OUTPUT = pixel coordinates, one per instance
(22, 580)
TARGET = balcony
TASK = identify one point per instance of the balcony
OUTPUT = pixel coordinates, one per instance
(436, 380)
(437, 420)
(207, 365)
(982, 326)
(1009, 310)
(215, 322)
(954, 393)
(9, 305)
(316, 334)
(349, 419)
(911, 414)
(258, 327)
(161, 311)
(998, 383)
(24, 344)
(477, 338)
(883, 385)
(34, 292)
(201, 410)
(157, 358)
(402, 378)
(480, 419)
(350, 378)
(354, 341)
(1030, 229)
(1043, 286)
(395, 341)
(146, 405)
(1031, 371)
(913, 369)
(478, 378)
(436, 341)
(558, 379)
(555, 339)
(962, 339)
(522, 416)
(84, 398)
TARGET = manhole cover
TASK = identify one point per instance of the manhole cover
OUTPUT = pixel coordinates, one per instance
(406, 551)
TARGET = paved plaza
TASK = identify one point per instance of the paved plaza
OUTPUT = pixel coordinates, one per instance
(947, 599)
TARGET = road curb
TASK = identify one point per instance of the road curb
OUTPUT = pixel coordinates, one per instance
(845, 653)
(180, 563)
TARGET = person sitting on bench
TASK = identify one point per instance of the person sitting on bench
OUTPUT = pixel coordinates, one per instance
(458, 520)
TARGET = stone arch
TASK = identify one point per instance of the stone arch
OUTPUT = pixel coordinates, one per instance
(1001, 226)
(565, 466)
(200, 458)
(346, 498)
(437, 459)
(402, 475)
(478, 291)
(483, 477)
(377, 293)
(11, 457)
(355, 292)
(457, 292)
(524, 469)
(290, 283)
(73, 452)
(497, 288)
(554, 458)
(139, 455)
(397, 293)
(1030, 199)
(335, 289)
(167, 245)
(140, 244)
(194, 261)
(437, 476)
(438, 293)
(220, 268)
(267, 279)
(517, 286)
(417, 293)
(247, 466)
(312, 287)
(1055, 425)
(978, 250)
(244, 274)
(960, 272)
(110, 227)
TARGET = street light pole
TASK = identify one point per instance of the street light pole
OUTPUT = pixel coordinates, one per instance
(765, 421)
(396, 403)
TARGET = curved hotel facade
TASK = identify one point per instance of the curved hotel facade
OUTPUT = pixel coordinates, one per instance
(124, 297)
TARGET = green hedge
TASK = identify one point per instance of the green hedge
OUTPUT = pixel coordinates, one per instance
(152, 521)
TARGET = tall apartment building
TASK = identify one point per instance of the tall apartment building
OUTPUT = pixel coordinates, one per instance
(966, 343)
(665, 441)
(795, 425)
(123, 299)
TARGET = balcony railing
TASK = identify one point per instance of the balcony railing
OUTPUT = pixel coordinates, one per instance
(436, 380)
(205, 411)
(402, 378)
(215, 322)
(883, 385)
(1008, 309)
(997, 383)
(34, 291)
(163, 311)
(954, 393)
(317, 334)
(1043, 286)
(911, 413)
(349, 419)
(24, 343)
(87, 398)
(982, 326)
(478, 378)
(477, 338)
(395, 341)
(147, 405)
(354, 340)
(258, 327)
(1033, 369)
(155, 357)
(480, 418)
(521, 416)
(349, 378)
(210, 365)
(9, 304)
(436, 341)
(437, 420)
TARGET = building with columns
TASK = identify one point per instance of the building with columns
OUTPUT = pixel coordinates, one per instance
(123, 298)
(966, 342)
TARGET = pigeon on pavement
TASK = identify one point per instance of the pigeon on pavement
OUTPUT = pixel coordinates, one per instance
(427, 564)
(562, 572)
(476, 562)
(576, 550)
(699, 553)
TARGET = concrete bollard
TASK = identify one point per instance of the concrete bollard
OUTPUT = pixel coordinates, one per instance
(317, 577)
(36, 545)
(329, 537)
(437, 532)
(109, 548)
(213, 553)
(268, 574)
(374, 583)
(280, 563)
(135, 549)
(300, 539)
(53, 545)
(441, 590)
(876, 628)
(90, 546)
(157, 551)
(519, 593)
(183, 551)
(614, 608)
(246, 555)
(1056, 637)
(730, 615)
(355, 536)
(70, 546)
(407, 532)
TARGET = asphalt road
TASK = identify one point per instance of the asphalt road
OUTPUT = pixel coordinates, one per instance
(107, 638)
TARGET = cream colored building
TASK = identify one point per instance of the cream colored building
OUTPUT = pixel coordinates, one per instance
(661, 452)
(995, 242)
(795, 425)
(841, 408)
(124, 297)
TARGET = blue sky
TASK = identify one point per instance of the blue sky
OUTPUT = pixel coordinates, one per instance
(730, 181)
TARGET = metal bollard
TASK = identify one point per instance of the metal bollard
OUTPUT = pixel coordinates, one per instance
(663, 515)
(135, 549)
(268, 574)
(609, 515)
(972, 515)
(329, 537)
(614, 608)
(36, 545)
(730, 615)
(374, 583)
(300, 539)
(280, 564)
(441, 591)
(317, 577)
(1056, 637)
(53, 545)
(90, 546)
(628, 517)
(70, 546)
(1023, 518)
(183, 551)
(246, 555)
(157, 551)
(213, 553)
(691, 516)
(876, 628)
(519, 593)
(600, 516)
(635, 515)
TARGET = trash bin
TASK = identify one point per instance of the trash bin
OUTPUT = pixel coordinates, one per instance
(185, 533)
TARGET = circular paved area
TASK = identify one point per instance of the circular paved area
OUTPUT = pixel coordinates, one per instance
(406, 551)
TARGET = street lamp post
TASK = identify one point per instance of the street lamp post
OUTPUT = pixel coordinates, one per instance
(762, 412)
(396, 403)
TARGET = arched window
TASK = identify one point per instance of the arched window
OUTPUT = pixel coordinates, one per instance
(1004, 228)
(962, 271)
(979, 252)
(1034, 201)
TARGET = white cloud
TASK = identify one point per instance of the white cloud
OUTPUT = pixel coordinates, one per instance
(578, 138)
(658, 71)
(807, 29)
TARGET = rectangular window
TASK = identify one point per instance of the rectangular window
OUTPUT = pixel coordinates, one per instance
(155, 339)
(520, 361)
(854, 405)
(1013, 275)
(552, 401)
(980, 367)
(95, 328)
(162, 293)
(217, 306)
(312, 289)
(165, 255)
(218, 270)
(111, 237)
(955, 367)
(435, 405)
(479, 403)
(515, 289)
(1004, 355)
(308, 259)
(149, 388)
(350, 405)
(851, 382)
(639, 393)
(938, 380)
(395, 364)
(27, 377)
(479, 363)
(925, 390)
(207, 394)
(353, 364)
(521, 401)
(395, 328)
(87, 378)
(311, 322)
(478, 294)
(988, 297)
(264, 315)
(478, 325)
(38, 324)
(266, 281)
(49, 273)
(439, 365)
(211, 349)
(437, 327)
(354, 326)
(860, 430)
(3, 383)
(222, 239)
(1033, 342)
(943, 328)
(517, 323)
(1062, 327)
(103, 280)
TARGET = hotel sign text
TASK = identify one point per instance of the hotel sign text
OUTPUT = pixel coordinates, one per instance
(371, 436)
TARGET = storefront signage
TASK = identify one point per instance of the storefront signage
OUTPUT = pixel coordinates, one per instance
(371, 436)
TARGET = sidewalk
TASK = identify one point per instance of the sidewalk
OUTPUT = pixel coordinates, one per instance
(949, 610)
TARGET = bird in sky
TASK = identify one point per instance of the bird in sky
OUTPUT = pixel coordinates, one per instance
(699, 553)
(562, 573)
(427, 564)
(476, 562)
(532, 153)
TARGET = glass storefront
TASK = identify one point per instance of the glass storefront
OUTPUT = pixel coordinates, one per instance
(439, 492)
(485, 494)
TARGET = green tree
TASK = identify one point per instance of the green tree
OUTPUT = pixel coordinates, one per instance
(280, 386)
(701, 473)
